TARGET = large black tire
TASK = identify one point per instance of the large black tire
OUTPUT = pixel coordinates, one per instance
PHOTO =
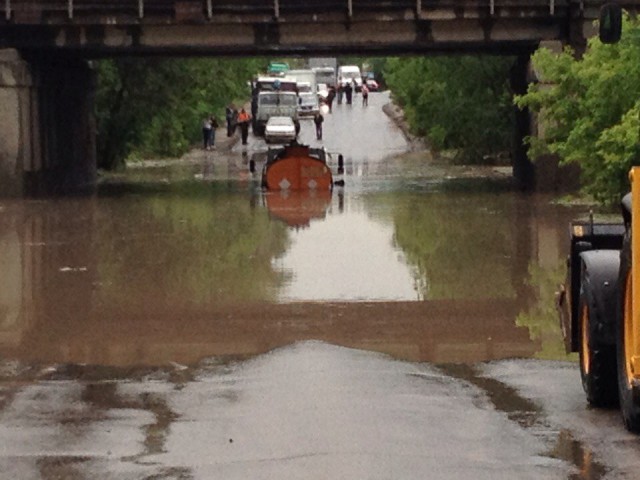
(597, 359)
(629, 392)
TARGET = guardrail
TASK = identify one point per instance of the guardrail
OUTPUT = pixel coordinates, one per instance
(26, 11)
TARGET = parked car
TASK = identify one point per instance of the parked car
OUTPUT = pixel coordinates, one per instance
(372, 85)
(280, 130)
(308, 104)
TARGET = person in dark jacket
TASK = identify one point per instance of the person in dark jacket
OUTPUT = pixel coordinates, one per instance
(206, 133)
(348, 93)
(318, 119)
(330, 96)
(212, 136)
(231, 115)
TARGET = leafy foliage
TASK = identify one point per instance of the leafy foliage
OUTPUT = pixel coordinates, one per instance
(461, 103)
(152, 106)
(588, 110)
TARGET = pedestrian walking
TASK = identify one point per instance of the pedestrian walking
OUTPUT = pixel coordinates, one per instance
(365, 95)
(206, 133)
(212, 137)
(317, 120)
(348, 93)
(330, 96)
(340, 93)
(231, 115)
(243, 122)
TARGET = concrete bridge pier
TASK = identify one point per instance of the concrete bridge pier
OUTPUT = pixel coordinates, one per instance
(47, 127)
(523, 168)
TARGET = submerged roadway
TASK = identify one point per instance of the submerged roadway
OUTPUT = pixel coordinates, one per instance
(138, 385)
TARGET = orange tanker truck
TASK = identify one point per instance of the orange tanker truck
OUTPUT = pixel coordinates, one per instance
(297, 167)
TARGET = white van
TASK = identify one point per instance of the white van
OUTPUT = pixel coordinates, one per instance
(349, 74)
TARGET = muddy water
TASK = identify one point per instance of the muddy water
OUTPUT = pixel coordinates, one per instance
(150, 277)
(182, 323)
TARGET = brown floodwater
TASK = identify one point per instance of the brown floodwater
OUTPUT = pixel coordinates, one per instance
(138, 276)
(182, 323)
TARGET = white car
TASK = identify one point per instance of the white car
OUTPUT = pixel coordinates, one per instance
(308, 104)
(280, 130)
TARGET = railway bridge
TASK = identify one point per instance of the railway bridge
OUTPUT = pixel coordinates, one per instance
(47, 132)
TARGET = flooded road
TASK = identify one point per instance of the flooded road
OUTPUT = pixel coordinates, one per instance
(184, 324)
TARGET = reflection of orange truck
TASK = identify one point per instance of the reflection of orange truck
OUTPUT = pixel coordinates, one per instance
(298, 208)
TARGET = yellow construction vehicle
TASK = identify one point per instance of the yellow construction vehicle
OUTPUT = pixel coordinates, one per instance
(600, 301)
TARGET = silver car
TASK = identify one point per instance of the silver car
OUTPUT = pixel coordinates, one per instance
(280, 130)
(308, 104)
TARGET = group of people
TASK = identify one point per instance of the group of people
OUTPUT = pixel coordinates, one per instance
(346, 90)
(242, 118)
(234, 119)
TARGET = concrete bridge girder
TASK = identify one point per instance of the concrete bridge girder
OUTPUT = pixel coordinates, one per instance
(208, 27)
(385, 37)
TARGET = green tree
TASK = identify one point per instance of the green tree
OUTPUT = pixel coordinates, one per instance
(462, 103)
(152, 106)
(588, 110)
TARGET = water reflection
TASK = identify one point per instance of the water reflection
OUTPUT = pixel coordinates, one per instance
(153, 277)
(297, 208)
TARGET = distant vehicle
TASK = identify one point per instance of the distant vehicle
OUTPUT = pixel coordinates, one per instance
(323, 91)
(280, 130)
(304, 87)
(278, 68)
(269, 83)
(266, 83)
(305, 78)
(372, 85)
(350, 74)
(308, 104)
(325, 75)
(275, 104)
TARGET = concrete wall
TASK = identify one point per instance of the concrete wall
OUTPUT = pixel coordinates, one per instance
(47, 127)
(18, 108)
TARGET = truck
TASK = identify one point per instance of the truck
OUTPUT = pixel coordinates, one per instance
(267, 83)
(304, 77)
(350, 74)
(325, 75)
(275, 104)
(599, 302)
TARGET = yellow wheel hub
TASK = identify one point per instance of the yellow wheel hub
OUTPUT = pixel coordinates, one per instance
(631, 343)
(584, 328)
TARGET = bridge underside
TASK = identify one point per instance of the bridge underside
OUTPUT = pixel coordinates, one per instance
(257, 27)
